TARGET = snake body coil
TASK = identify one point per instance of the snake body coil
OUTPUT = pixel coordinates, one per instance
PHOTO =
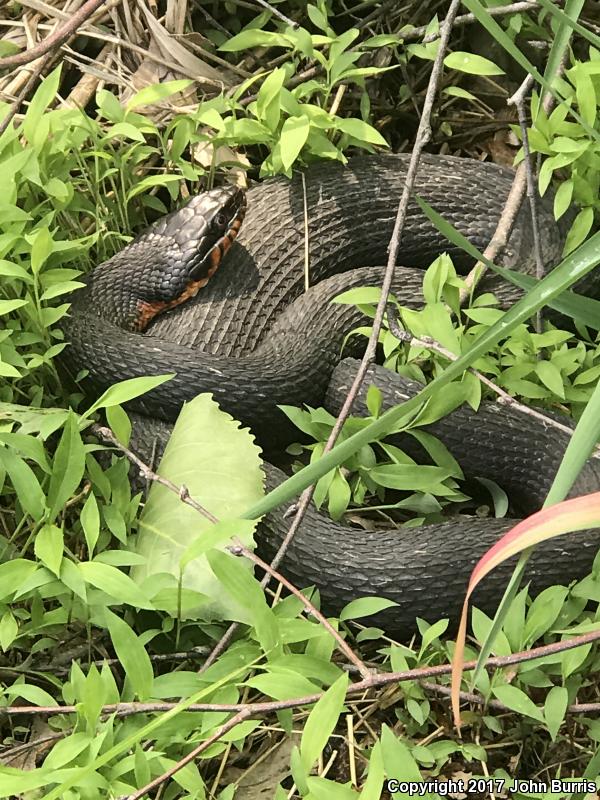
(255, 339)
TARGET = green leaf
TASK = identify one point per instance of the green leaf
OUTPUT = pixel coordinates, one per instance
(365, 607)
(157, 92)
(472, 64)
(586, 96)
(562, 198)
(49, 547)
(248, 595)
(254, 38)
(68, 466)
(499, 496)
(33, 694)
(132, 655)
(518, 701)
(150, 182)
(321, 722)
(41, 249)
(294, 134)
(579, 229)
(13, 574)
(555, 709)
(126, 390)
(43, 97)
(114, 582)
(550, 376)
(360, 130)
(458, 91)
(340, 494)
(360, 295)
(9, 630)
(372, 787)
(90, 522)
(408, 477)
(66, 751)
(219, 464)
(398, 760)
(25, 483)
(6, 306)
(268, 99)
(318, 19)
(283, 685)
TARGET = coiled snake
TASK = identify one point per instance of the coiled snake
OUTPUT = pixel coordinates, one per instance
(255, 339)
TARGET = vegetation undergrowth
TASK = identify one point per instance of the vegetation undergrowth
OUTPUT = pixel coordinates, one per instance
(85, 620)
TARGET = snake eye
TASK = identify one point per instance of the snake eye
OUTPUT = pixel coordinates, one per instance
(221, 219)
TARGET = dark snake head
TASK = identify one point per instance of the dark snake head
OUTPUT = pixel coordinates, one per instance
(171, 261)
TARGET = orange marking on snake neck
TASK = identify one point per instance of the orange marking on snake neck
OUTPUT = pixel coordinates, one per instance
(147, 310)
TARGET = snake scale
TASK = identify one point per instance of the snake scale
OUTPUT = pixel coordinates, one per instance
(255, 338)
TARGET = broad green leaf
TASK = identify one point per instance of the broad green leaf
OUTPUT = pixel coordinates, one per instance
(365, 607)
(25, 483)
(9, 628)
(360, 130)
(321, 722)
(13, 575)
(6, 306)
(90, 522)
(518, 701)
(67, 468)
(33, 694)
(132, 655)
(126, 390)
(471, 63)
(325, 789)
(43, 97)
(372, 787)
(407, 477)
(254, 38)
(398, 760)
(41, 249)
(66, 750)
(283, 685)
(247, 594)
(157, 92)
(114, 582)
(219, 464)
(360, 295)
(269, 98)
(294, 134)
(48, 547)
(550, 376)
(555, 709)
(148, 183)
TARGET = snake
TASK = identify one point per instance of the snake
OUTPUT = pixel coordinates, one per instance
(233, 294)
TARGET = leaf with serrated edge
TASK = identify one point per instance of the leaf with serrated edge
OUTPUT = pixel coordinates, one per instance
(219, 463)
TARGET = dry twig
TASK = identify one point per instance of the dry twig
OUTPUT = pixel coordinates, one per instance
(55, 39)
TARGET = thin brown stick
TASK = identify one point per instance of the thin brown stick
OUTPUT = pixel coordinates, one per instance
(55, 39)
(181, 491)
(277, 13)
(507, 217)
(16, 104)
(240, 550)
(468, 19)
(518, 100)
